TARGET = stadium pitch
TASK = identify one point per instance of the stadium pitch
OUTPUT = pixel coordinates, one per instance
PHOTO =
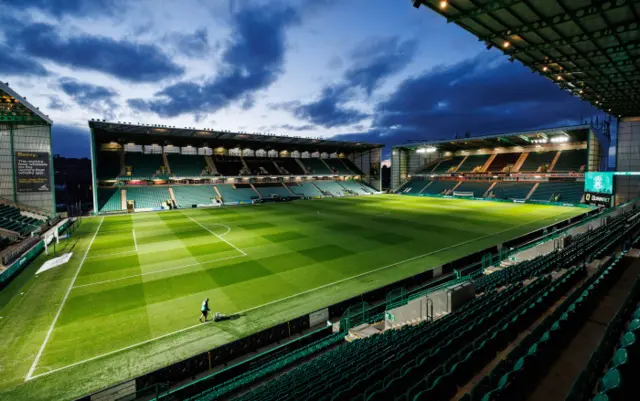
(128, 300)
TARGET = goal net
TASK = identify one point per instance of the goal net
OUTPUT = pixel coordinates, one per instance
(463, 194)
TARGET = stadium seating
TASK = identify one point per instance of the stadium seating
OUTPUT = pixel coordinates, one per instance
(472, 162)
(147, 197)
(187, 196)
(4, 243)
(338, 167)
(12, 219)
(236, 193)
(317, 166)
(109, 199)
(502, 160)
(143, 165)
(351, 166)
(108, 166)
(331, 188)
(569, 192)
(477, 187)
(290, 166)
(571, 160)
(228, 165)
(268, 190)
(261, 166)
(187, 165)
(535, 160)
(307, 189)
(511, 189)
(413, 186)
(444, 165)
(439, 187)
(355, 187)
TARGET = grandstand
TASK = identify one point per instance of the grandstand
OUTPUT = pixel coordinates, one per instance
(132, 172)
(542, 165)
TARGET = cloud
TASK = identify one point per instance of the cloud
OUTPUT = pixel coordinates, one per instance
(481, 95)
(97, 98)
(70, 141)
(15, 64)
(371, 64)
(194, 45)
(78, 8)
(126, 60)
(55, 103)
(290, 127)
(252, 60)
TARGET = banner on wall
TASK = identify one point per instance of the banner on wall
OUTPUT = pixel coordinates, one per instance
(32, 172)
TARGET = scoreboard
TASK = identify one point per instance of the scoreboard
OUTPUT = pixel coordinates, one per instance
(598, 188)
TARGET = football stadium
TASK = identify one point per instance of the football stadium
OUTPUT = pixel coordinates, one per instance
(496, 267)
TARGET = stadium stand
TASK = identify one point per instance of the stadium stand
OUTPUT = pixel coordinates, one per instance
(4, 242)
(108, 166)
(355, 187)
(444, 166)
(187, 196)
(571, 160)
(11, 219)
(439, 187)
(413, 186)
(143, 165)
(147, 196)
(305, 189)
(330, 188)
(351, 166)
(512, 189)
(337, 166)
(187, 165)
(269, 190)
(236, 192)
(228, 165)
(109, 199)
(502, 160)
(569, 192)
(261, 166)
(478, 188)
(530, 309)
(289, 166)
(535, 160)
(473, 162)
(316, 166)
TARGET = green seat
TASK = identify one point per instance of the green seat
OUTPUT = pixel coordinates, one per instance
(634, 325)
(601, 397)
(611, 380)
(620, 358)
(628, 340)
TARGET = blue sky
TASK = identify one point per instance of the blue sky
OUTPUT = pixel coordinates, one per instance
(380, 71)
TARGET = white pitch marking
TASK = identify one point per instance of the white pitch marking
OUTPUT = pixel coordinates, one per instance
(276, 301)
(219, 237)
(55, 319)
(135, 242)
(158, 271)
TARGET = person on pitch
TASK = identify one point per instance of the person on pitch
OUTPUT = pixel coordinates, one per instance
(205, 310)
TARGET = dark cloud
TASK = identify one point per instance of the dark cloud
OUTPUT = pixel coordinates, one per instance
(252, 60)
(78, 8)
(194, 45)
(55, 103)
(481, 95)
(290, 127)
(14, 64)
(94, 97)
(70, 141)
(123, 59)
(371, 64)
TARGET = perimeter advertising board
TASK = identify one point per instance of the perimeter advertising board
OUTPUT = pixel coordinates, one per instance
(32, 172)
(596, 199)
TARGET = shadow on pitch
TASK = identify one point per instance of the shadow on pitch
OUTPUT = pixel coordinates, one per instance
(230, 317)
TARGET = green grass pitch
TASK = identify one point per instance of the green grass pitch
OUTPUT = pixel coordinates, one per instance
(128, 301)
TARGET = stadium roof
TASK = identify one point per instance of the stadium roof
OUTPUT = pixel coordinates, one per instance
(15, 109)
(590, 48)
(215, 137)
(574, 133)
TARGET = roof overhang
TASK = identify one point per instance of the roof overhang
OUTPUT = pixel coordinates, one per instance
(589, 48)
(15, 109)
(149, 133)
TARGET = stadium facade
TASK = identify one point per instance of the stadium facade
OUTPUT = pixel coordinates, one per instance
(26, 164)
(144, 167)
(628, 158)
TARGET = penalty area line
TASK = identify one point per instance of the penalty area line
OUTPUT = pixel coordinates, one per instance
(219, 237)
(64, 300)
(281, 299)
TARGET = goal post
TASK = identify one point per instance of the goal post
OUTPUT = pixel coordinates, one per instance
(463, 194)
